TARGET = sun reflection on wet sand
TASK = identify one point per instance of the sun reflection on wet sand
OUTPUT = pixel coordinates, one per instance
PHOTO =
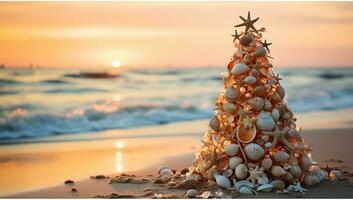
(119, 156)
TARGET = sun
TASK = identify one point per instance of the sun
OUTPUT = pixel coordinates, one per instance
(116, 63)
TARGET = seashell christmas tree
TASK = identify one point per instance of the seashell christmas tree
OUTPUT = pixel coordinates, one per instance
(253, 134)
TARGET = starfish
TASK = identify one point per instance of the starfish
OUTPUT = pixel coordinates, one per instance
(265, 44)
(296, 188)
(275, 77)
(236, 36)
(248, 23)
(255, 173)
(279, 135)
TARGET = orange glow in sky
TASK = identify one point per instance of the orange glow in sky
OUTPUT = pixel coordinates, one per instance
(156, 34)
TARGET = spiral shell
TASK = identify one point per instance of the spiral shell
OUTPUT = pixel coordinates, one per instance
(240, 68)
(305, 162)
(266, 163)
(215, 123)
(311, 179)
(254, 151)
(231, 149)
(277, 171)
(231, 94)
(234, 162)
(257, 103)
(265, 121)
(295, 171)
(281, 156)
(241, 171)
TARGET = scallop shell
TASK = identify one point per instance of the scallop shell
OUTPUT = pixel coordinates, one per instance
(215, 123)
(223, 181)
(229, 108)
(231, 149)
(311, 179)
(266, 163)
(275, 114)
(254, 151)
(240, 68)
(281, 156)
(305, 162)
(265, 122)
(281, 92)
(192, 193)
(295, 171)
(257, 103)
(246, 40)
(278, 184)
(259, 91)
(277, 171)
(231, 94)
(234, 162)
(241, 171)
(246, 135)
(268, 105)
(260, 51)
(250, 80)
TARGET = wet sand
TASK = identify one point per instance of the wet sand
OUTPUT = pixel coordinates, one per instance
(39, 168)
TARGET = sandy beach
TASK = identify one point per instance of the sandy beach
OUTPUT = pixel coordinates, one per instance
(39, 168)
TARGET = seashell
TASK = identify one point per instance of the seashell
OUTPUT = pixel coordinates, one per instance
(293, 133)
(281, 156)
(305, 162)
(262, 180)
(246, 190)
(161, 168)
(234, 162)
(265, 138)
(266, 163)
(259, 91)
(288, 177)
(215, 123)
(260, 51)
(275, 97)
(231, 94)
(241, 171)
(277, 171)
(281, 92)
(254, 151)
(246, 40)
(192, 193)
(278, 184)
(296, 171)
(267, 105)
(275, 114)
(244, 183)
(240, 68)
(250, 80)
(223, 182)
(231, 149)
(334, 174)
(245, 135)
(265, 188)
(206, 195)
(293, 161)
(231, 65)
(311, 179)
(254, 72)
(257, 103)
(247, 58)
(229, 108)
(268, 145)
(166, 171)
(265, 122)
(227, 172)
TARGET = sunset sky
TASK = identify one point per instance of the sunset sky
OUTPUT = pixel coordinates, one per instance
(92, 35)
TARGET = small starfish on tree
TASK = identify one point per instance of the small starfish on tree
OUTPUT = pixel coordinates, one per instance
(248, 23)
(265, 44)
(279, 135)
(255, 173)
(236, 36)
(276, 77)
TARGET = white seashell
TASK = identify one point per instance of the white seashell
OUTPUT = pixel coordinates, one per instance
(296, 171)
(268, 105)
(231, 94)
(254, 151)
(260, 51)
(231, 149)
(278, 184)
(257, 103)
(241, 171)
(277, 171)
(192, 193)
(281, 92)
(244, 183)
(275, 114)
(206, 195)
(250, 80)
(245, 135)
(240, 68)
(234, 162)
(268, 145)
(281, 156)
(215, 123)
(166, 171)
(262, 180)
(311, 179)
(305, 162)
(161, 168)
(229, 108)
(266, 163)
(227, 172)
(265, 188)
(246, 190)
(223, 181)
(265, 122)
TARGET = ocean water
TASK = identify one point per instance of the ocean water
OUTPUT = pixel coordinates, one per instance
(44, 102)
